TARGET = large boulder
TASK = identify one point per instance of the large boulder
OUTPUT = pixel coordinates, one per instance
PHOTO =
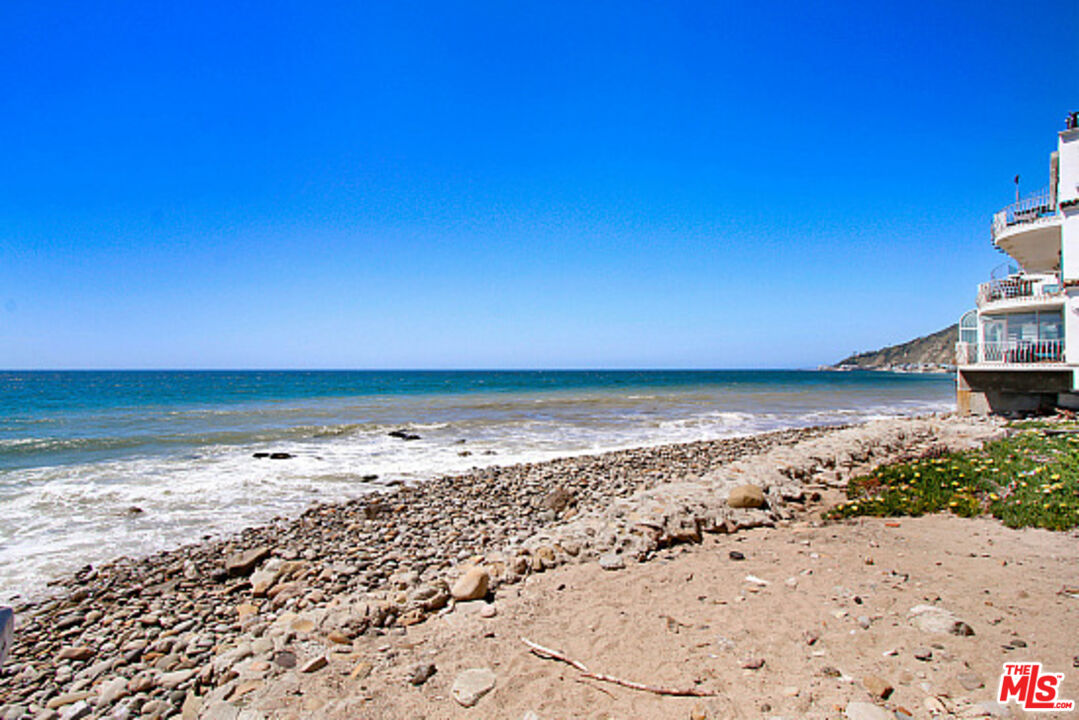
(746, 496)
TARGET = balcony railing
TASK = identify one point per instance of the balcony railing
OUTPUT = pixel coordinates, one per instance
(1030, 209)
(1022, 352)
(1018, 288)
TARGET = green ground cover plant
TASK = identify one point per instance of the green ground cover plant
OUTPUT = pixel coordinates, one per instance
(1030, 479)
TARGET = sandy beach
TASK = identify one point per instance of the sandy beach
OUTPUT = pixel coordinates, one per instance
(378, 607)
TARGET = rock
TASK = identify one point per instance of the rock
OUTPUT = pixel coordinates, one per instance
(262, 581)
(245, 610)
(922, 653)
(970, 681)
(471, 685)
(867, 711)
(754, 663)
(281, 456)
(422, 673)
(244, 563)
(362, 670)
(472, 585)
(994, 709)
(285, 659)
(932, 619)
(746, 496)
(877, 687)
(403, 435)
(80, 652)
(191, 707)
(611, 561)
(67, 699)
(221, 711)
(314, 664)
(735, 555)
(111, 691)
(558, 499)
(76, 711)
(488, 611)
(172, 680)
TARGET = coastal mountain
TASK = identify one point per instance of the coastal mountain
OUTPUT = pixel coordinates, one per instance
(936, 350)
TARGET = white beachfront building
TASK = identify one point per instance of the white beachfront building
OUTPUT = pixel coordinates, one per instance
(1019, 349)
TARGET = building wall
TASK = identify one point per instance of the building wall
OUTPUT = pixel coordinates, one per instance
(1068, 184)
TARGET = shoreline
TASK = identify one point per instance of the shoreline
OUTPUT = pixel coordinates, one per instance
(169, 618)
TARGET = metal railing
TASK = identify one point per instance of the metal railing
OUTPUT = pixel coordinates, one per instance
(1018, 289)
(1022, 352)
(1027, 210)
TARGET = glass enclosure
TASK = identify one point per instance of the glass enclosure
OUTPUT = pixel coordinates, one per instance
(1023, 337)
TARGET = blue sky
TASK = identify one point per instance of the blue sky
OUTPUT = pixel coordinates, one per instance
(442, 185)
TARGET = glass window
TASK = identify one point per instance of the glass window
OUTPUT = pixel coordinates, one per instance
(1023, 327)
(1050, 326)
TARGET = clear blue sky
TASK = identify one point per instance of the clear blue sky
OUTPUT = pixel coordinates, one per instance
(547, 184)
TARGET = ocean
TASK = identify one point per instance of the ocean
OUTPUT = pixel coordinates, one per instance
(81, 451)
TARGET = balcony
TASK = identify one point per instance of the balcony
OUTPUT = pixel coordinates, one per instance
(1010, 352)
(1033, 208)
(1020, 290)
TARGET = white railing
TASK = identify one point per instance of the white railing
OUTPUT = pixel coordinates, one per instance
(1032, 207)
(966, 353)
(1018, 289)
(1022, 352)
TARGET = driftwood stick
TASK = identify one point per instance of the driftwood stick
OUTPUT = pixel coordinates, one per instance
(546, 652)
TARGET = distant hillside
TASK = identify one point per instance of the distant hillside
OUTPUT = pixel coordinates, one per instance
(935, 349)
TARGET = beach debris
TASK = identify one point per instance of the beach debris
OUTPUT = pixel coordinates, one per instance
(746, 496)
(756, 580)
(471, 685)
(472, 585)
(544, 652)
(403, 435)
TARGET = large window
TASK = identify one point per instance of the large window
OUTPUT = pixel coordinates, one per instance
(1024, 337)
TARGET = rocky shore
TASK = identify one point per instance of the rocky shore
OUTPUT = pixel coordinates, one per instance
(210, 629)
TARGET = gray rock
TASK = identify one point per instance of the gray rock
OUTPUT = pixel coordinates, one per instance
(471, 685)
(221, 711)
(867, 711)
(932, 619)
(611, 561)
